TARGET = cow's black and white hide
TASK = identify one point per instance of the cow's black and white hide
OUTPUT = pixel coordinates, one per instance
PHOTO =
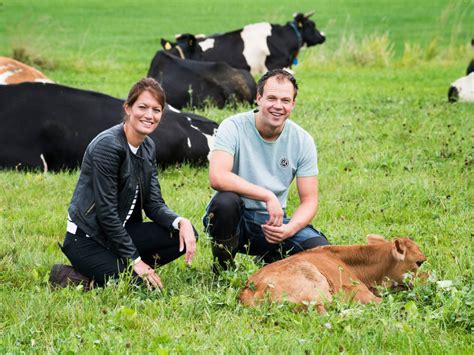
(49, 126)
(194, 83)
(462, 89)
(257, 47)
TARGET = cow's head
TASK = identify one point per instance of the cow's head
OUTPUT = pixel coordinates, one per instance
(462, 89)
(311, 36)
(184, 47)
(405, 252)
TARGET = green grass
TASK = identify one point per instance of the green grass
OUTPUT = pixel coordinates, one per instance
(395, 159)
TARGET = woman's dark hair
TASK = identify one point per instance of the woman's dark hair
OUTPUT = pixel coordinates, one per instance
(280, 75)
(145, 84)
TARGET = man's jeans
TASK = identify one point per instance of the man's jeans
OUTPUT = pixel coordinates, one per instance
(226, 216)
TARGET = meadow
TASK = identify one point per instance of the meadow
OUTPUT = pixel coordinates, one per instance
(395, 158)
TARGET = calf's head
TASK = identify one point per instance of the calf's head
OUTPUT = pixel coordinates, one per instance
(405, 252)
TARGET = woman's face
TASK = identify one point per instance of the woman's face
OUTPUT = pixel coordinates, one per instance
(144, 115)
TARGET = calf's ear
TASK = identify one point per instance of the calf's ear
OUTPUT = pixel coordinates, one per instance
(375, 239)
(399, 250)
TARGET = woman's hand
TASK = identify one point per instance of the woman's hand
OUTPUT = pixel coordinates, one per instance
(148, 275)
(187, 239)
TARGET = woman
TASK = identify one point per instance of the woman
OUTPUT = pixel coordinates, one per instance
(105, 230)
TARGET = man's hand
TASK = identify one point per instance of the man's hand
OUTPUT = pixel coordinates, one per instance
(274, 210)
(187, 239)
(277, 234)
(147, 274)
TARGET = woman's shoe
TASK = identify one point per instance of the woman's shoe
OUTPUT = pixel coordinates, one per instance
(63, 275)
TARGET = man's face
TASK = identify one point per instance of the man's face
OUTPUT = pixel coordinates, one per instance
(276, 103)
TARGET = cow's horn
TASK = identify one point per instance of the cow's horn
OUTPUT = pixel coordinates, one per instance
(178, 35)
(309, 14)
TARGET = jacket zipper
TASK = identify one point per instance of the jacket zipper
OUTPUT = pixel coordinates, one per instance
(90, 208)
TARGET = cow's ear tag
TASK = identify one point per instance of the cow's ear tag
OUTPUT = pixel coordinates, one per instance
(295, 61)
(190, 42)
(300, 24)
(167, 46)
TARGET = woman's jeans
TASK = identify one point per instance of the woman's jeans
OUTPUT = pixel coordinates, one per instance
(156, 245)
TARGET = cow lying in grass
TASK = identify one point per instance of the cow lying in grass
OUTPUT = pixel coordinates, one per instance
(316, 275)
(462, 89)
(195, 83)
(49, 126)
(257, 47)
(14, 72)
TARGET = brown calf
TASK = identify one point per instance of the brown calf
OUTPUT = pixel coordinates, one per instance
(316, 275)
(14, 72)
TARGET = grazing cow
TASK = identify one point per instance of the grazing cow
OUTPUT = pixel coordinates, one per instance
(317, 274)
(257, 47)
(14, 72)
(49, 126)
(194, 83)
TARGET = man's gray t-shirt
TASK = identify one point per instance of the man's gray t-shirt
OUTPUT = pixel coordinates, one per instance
(272, 165)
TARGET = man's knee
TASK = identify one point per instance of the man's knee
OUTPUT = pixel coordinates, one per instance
(224, 214)
(310, 238)
(226, 203)
(314, 242)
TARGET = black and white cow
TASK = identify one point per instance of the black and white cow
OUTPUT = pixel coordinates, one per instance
(195, 83)
(462, 89)
(257, 47)
(49, 126)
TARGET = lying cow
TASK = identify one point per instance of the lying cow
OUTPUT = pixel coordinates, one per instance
(257, 47)
(317, 274)
(49, 126)
(462, 90)
(194, 83)
(14, 72)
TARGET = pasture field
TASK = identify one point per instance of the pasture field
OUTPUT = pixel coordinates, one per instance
(395, 158)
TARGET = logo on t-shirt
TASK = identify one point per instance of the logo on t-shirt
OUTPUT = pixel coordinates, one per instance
(284, 163)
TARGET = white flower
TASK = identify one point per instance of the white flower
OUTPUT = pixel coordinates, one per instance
(444, 283)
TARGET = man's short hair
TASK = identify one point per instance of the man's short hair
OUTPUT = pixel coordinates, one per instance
(280, 75)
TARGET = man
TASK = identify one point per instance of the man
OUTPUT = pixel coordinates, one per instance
(255, 158)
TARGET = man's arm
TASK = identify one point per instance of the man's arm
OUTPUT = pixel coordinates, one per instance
(221, 178)
(308, 193)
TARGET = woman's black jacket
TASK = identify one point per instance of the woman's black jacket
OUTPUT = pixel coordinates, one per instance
(106, 187)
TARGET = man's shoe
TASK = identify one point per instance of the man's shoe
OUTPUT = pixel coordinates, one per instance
(63, 275)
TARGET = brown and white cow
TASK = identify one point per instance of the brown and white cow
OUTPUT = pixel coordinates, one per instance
(14, 72)
(317, 274)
